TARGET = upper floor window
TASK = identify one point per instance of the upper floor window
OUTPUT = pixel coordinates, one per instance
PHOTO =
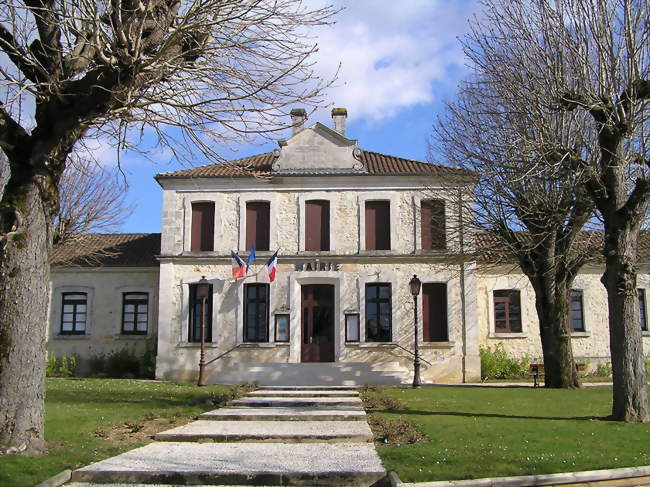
(642, 314)
(258, 224)
(378, 313)
(507, 311)
(135, 312)
(432, 214)
(256, 312)
(74, 313)
(576, 310)
(434, 312)
(202, 226)
(197, 313)
(377, 218)
(317, 225)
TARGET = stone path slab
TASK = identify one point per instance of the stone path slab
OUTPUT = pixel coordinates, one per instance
(303, 393)
(327, 464)
(308, 388)
(286, 414)
(270, 431)
(296, 401)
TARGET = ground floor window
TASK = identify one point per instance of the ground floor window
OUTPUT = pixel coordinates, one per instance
(196, 315)
(135, 312)
(434, 312)
(576, 310)
(256, 313)
(378, 313)
(74, 313)
(507, 311)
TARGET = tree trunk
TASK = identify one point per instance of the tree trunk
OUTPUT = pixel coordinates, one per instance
(24, 297)
(630, 402)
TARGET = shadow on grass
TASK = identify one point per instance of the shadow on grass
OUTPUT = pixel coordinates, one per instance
(498, 416)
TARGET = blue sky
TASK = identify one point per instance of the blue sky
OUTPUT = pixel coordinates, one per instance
(399, 62)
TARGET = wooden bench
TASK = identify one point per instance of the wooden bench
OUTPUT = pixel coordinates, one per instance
(537, 369)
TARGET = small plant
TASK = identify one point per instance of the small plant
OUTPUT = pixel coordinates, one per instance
(496, 364)
(66, 366)
(398, 431)
(379, 401)
(603, 369)
(148, 363)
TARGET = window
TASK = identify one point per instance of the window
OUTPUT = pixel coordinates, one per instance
(378, 313)
(377, 225)
(202, 227)
(352, 327)
(432, 214)
(507, 312)
(642, 314)
(196, 315)
(282, 328)
(434, 312)
(317, 225)
(74, 313)
(576, 310)
(135, 312)
(256, 314)
(257, 225)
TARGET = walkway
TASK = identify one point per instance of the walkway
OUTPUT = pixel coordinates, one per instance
(273, 436)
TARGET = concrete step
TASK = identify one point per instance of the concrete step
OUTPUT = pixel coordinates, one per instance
(286, 414)
(303, 393)
(269, 431)
(296, 401)
(307, 388)
(326, 464)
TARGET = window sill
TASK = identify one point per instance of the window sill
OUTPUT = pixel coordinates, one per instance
(196, 345)
(645, 333)
(437, 344)
(64, 336)
(131, 337)
(261, 345)
(508, 335)
(377, 345)
(580, 334)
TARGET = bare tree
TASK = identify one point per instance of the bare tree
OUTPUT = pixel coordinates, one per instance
(194, 73)
(531, 206)
(589, 59)
(91, 199)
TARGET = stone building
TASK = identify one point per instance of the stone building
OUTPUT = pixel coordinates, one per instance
(350, 227)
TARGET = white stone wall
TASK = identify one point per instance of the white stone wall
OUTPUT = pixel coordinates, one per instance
(104, 288)
(590, 346)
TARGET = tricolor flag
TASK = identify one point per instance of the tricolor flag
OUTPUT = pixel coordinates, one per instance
(251, 258)
(238, 266)
(272, 263)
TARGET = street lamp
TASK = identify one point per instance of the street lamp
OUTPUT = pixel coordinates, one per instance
(203, 289)
(415, 285)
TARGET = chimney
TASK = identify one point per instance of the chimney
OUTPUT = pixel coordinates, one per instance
(298, 117)
(339, 115)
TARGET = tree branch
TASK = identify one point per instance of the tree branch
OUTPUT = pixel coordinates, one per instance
(19, 56)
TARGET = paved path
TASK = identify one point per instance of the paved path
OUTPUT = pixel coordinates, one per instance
(278, 436)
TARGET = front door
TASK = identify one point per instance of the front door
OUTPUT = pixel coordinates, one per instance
(317, 323)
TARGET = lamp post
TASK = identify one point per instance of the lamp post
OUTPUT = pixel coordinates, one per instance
(203, 289)
(415, 285)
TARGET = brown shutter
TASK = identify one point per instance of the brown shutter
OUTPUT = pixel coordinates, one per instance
(433, 224)
(434, 312)
(317, 225)
(258, 215)
(202, 236)
(377, 225)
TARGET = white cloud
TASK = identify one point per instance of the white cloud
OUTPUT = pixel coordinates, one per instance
(391, 53)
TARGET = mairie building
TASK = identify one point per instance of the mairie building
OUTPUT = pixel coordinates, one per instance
(350, 228)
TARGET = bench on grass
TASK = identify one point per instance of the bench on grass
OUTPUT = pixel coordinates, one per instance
(537, 369)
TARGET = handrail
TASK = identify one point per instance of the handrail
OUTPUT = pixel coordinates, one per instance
(408, 351)
(222, 355)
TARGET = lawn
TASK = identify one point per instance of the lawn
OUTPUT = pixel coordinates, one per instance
(475, 432)
(90, 419)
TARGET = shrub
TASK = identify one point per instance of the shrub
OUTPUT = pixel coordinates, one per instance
(399, 431)
(496, 364)
(603, 369)
(66, 366)
(123, 364)
(148, 363)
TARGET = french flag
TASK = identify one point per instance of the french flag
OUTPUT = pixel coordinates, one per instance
(271, 264)
(238, 266)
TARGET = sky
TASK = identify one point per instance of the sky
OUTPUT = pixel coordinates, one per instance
(399, 61)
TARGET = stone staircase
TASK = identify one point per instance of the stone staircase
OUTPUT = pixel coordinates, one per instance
(275, 436)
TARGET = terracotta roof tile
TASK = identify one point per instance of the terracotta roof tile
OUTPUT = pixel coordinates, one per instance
(109, 249)
(374, 163)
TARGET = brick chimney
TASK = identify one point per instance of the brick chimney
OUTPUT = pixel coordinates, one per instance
(298, 118)
(339, 116)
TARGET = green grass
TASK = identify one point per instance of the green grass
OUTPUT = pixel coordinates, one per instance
(476, 432)
(77, 408)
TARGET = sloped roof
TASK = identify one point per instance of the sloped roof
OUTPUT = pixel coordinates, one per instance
(109, 249)
(374, 163)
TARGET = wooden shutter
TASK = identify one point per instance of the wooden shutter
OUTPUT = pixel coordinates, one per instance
(433, 224)
(202, 236)
(317, 225)
(377, 225)
(434, 312)
(258, 215)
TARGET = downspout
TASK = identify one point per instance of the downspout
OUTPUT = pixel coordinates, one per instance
(463, 318)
